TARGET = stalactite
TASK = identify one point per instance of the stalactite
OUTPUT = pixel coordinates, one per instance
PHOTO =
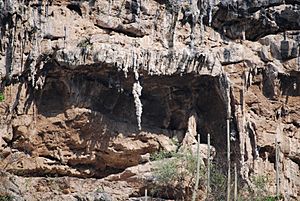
(210, 9)
(33, 17)
(109, 10)
(154, 28)
(164, 28)
(192, 38)
(298, 40)
(10, 49)
(244, 34)
(32, 65)
(1, 43)
(118, 85)
(134, 65)
(39, 10)
(65, 36)
(137, 92)
(1, 5)
(125, 66)
(172, 7)
(23, 8)
(201, 29)
(9, 57)
(173, 29)
(249, 78)
(47, 9)
(182, 64)
(136, 9)
(198, 11)
(251, 128)
(237, 9)
(224, 84)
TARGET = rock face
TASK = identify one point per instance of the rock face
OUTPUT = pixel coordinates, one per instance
(92, 88)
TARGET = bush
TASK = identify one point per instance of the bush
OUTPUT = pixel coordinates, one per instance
(218, 183)
(85, 43)
(6, 197)
(260, 192)
(162, 155)
(85, 46)
(1, 97)
(167, 172)
(260, 183)
(175, 174)
(181, 164)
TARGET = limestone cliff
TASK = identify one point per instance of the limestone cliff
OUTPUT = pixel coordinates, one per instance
(92, 88)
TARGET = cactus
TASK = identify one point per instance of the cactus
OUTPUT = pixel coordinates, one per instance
(198, 170)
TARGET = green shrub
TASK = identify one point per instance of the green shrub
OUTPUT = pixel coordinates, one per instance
(85, 47)
(167, 171)
(269, 198)
(175, 174)
(170, 172)
(6, 197)
(260, 192)
(176, 167)
(180, 163)
(191, 162)
(1, 97)
(85, 43)
(162, 155)
(260, 182)
(218, 183)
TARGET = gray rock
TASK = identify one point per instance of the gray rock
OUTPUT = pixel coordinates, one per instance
(102, 197)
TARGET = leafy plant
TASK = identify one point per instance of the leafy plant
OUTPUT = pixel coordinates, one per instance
(6, 197)
(191, 162)
(260, 192)
(175, 173)
(218, 183)
(1, 97)
(270, 198)
(162, 155)
(260, 183)
(85, 45)
(167, 171)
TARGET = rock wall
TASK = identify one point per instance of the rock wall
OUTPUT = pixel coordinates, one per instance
(92, 88)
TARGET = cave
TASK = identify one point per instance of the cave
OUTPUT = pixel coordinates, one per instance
(168, 101)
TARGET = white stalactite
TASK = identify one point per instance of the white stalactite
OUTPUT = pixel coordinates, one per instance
(137, 92)
(210, 7)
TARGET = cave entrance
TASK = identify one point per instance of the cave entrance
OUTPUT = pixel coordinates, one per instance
(168, 101)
